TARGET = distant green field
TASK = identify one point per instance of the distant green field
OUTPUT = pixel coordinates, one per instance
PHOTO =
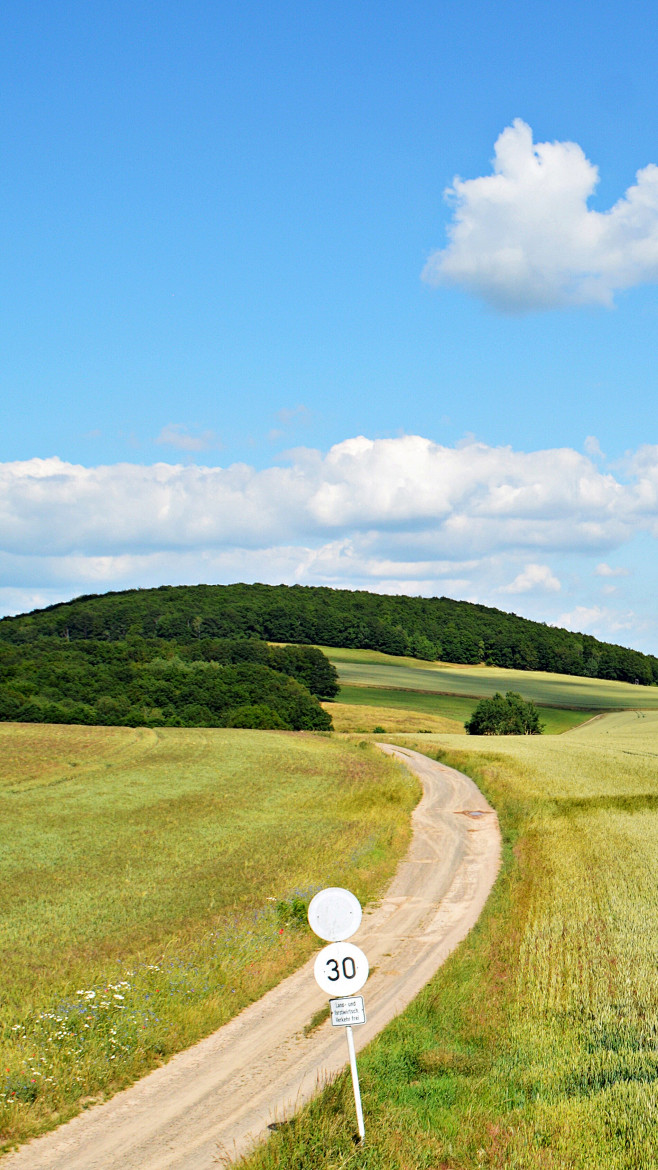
(148, 881)
(555, 719)
(450, 706)
(369, 668)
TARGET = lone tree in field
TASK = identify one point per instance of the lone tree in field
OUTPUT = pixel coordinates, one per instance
(509, 715)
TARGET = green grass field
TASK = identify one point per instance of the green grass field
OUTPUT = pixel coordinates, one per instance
(448, 706)
(369, 668)
(536, 1045)
(148, 883)
(389, 706)
(364, 709)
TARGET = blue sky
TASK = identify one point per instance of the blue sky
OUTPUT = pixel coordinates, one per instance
(217, 222)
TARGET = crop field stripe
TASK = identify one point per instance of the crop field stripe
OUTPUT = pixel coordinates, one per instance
(472, 698)
(408, 699)
(449, 706)
(411, 691)
(365, 719)
(372, 668)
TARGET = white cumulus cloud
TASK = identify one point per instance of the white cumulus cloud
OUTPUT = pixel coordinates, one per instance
(447, 501)
(597, 620)
(524, 237)
(533, 577)
(391, 515)
(604, 570)
(411, 489)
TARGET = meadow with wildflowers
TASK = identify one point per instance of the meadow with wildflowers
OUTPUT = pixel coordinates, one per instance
(154, 882)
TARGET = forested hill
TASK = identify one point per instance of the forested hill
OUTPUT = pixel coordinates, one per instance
(429, 628)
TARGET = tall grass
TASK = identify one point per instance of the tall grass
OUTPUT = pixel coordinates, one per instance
(151, 882)
(536, 1045)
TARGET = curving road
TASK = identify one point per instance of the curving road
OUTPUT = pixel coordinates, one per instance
(216, 1099)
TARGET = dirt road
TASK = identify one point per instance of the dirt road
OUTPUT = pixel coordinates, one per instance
(219, 1096)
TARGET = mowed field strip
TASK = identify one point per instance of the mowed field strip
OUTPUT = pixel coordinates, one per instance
(221, 1094)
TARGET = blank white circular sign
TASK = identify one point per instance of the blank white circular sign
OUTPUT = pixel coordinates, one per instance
(334, 914)
(341, 969)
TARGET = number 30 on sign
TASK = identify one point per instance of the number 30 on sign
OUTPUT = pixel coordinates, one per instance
(341, 969)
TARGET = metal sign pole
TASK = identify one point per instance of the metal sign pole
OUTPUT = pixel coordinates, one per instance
(355, 1084)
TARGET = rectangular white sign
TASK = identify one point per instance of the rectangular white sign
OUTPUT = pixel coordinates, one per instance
(347, 1010)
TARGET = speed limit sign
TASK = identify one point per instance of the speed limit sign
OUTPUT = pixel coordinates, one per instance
(341, 969)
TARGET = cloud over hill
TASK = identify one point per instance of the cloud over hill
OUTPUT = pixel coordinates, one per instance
(404, 493)
(399, 515)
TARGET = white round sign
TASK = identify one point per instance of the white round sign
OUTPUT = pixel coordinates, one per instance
(334, 914)
(341, 969)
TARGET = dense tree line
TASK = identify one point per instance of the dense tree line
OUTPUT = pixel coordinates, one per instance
(429, 628)
(158, 683)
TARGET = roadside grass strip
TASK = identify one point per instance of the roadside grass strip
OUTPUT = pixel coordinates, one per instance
(535, 1047)
(154, 883)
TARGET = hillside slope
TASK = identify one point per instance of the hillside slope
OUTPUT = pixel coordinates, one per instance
(427, 628)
